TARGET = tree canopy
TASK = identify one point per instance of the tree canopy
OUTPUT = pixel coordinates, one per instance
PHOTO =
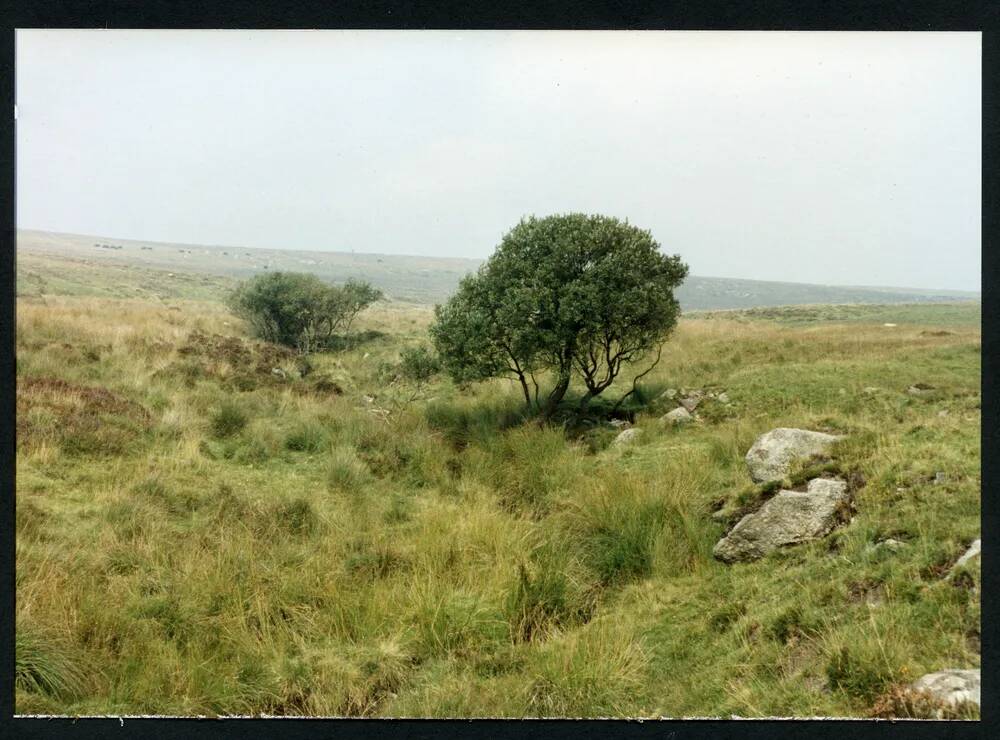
(576, 295)
(300, 310)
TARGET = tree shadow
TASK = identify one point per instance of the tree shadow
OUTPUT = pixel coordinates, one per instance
(463, 424)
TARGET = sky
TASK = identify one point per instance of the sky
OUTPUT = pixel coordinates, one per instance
(836, 158)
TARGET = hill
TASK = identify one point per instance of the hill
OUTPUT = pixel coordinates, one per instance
(198, 534)
(68, 263)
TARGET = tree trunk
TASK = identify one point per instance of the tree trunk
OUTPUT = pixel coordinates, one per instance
(555, 396)
(524, 388)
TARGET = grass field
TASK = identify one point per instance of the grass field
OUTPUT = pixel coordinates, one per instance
(198, 534)
(55, 263)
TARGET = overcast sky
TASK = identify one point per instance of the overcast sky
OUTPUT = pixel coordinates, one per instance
(840, 158)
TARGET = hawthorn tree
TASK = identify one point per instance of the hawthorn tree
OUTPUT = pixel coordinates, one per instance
(300, 310)
(575, 295)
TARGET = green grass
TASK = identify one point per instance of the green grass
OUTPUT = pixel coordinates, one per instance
(961, 314)
(198, 536)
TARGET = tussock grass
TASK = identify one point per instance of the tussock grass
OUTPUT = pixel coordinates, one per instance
(205, 536)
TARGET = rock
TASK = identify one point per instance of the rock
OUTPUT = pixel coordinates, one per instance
(669, 393)
(952, 687)
(940, 478)
(870, 390)
(279, 373)
(619, 424)
(627, 436)
(679, 415)
(920, 389)
(789, 518)
(890, 544)
(723, 397)
(366, 356)
(975, 549)
(690, 403)
(771, 456)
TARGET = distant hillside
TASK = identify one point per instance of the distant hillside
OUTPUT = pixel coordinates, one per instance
(403, 278)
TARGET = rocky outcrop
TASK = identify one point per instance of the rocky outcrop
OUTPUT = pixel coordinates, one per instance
(690, 403)
(953, 687)
(772, 455)
(679, 415)
(789, 518)
(627, 436)
(974, 551)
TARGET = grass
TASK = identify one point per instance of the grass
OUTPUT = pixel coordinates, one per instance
(199, 535)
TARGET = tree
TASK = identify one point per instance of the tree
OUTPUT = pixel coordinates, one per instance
(574, 295)
(299, 310)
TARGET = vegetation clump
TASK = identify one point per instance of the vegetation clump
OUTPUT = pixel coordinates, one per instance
(574, 295)
(300, 310)
(228, 420)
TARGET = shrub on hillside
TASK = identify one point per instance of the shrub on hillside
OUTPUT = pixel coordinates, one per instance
(228, 420)
(299, 310)
(43, 665)
(419, 364)
(574, 295)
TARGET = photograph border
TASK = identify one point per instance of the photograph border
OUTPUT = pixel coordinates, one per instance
(797, 16)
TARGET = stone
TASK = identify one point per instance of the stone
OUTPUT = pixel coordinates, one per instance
(940, 478)
(870, 390)
(920, 389)
(669, 393)
(619, 424)
(942, 413)
(953, 687)
(772, 454)
(690, 403)
(278, 373)
(626, 436)
(789, 518)
(975, 550)
(679, 415)
(723, 397)
(890, 544)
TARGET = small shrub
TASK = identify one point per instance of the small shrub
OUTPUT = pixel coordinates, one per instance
(167, 612)
(539, 603)
(399, 510)
(791, 623)
(621, 547)
(419, 364)
(228, 420)
(861, 676)
(458, 624)
(43, 665)
(596, 672)
(723, 618)
(347, 473)
(307, 437)
(297, 517)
